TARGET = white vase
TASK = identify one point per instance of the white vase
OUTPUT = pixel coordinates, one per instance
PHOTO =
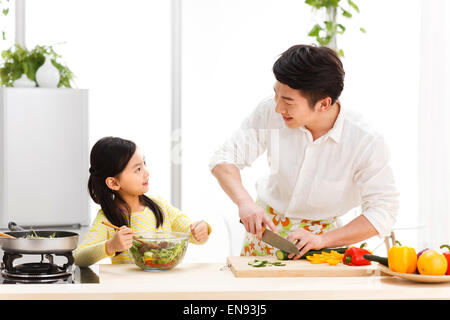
(24, 82)
(47, 75)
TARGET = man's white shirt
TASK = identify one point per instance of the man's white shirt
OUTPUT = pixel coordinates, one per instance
(322, 179)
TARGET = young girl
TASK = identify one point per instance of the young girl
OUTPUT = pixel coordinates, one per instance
(118, 182)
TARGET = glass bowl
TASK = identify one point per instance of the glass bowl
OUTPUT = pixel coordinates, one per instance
(157, 251)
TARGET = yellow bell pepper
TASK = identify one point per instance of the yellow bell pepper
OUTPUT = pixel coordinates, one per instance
(333, 262)
(402, 259)
(332, 258)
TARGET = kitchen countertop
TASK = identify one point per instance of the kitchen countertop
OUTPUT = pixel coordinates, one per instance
(215, 281)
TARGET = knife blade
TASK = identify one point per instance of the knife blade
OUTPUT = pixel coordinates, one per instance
(277, 241)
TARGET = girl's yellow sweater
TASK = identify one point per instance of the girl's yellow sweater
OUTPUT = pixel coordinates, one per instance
(92, 248)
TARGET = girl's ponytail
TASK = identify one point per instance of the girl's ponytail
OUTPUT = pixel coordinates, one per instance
(105, 197)
(155, 208)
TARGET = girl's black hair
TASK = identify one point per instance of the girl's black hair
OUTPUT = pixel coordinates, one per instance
(109, 157)
(316, 71)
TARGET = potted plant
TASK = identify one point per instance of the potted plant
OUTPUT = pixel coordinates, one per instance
(17, 61)
(325, 33)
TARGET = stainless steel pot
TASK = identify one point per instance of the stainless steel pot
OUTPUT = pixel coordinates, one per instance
(64, 241)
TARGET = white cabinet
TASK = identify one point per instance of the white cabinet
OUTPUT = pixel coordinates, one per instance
(44, 157)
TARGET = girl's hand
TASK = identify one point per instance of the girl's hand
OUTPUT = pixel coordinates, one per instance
(200, 231)
(121, 241)
(306, 241)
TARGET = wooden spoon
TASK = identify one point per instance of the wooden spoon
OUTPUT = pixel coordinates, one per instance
(6, 235)
(117, 229)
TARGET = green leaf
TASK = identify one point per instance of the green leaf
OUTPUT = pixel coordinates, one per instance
(17, 73)
(324, 40)
(354, 6)
(332, 3)
(315, 31)
(18, 60)
(328, 30)
(330, 27)
(25, 67)
(318, 4)
(345, 13)
(341, 27)
(5, 11)
(314, 3)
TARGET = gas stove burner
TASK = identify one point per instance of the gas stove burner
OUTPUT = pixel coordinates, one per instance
(36, 272)
(62, 277)
(36, 268)
(31, 281)
(9, 280)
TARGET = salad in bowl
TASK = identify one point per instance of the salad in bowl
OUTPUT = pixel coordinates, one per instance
(157, 251)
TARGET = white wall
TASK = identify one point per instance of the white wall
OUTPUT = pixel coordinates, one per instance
(120, 50)
(229, 49)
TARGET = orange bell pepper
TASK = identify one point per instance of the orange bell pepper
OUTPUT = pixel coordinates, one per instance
(402, 259)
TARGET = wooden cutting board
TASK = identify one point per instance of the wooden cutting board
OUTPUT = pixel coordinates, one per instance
(296, 268)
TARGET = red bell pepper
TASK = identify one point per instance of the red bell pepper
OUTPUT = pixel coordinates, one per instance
(447, 256)
(355, 256)
(150, 263)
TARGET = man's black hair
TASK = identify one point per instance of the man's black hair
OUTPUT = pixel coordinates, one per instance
(316, 71)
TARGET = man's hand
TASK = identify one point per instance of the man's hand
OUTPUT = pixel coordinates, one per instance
(305, 241)
(253, 217)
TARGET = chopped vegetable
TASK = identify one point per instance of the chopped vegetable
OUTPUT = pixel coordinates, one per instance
(34, 235)
(158, 265)
(283, 255)
(158, 254)
(332, 258)
(265, 263)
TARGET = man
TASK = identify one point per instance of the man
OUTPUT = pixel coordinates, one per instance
(324, 160)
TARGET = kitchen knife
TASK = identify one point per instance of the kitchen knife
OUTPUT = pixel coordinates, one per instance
(278, 241)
